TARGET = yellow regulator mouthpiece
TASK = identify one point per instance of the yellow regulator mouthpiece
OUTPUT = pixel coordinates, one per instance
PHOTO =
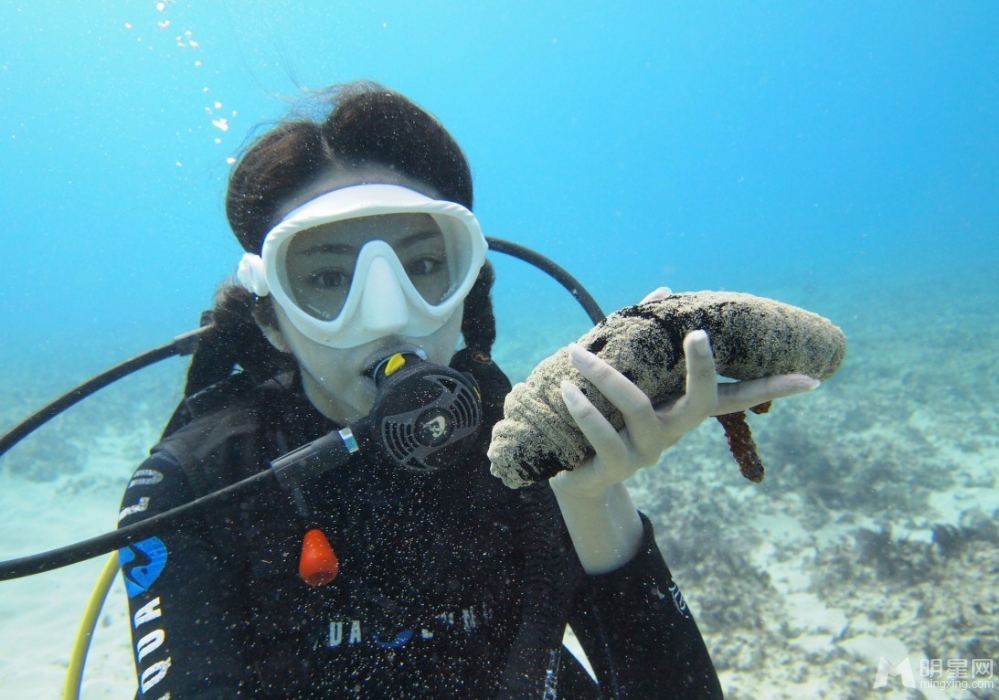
(395, 362)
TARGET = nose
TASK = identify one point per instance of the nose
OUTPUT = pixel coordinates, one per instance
(383, 304)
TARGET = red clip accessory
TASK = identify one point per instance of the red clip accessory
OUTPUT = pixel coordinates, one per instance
(318, 565)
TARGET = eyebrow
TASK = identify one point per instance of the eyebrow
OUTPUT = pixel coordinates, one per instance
(346, 249)
(335, 248)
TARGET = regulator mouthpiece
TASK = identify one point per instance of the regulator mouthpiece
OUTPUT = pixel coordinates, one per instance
(392, 364)
(425, 416)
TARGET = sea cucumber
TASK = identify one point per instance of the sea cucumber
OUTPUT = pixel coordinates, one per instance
(751, 337)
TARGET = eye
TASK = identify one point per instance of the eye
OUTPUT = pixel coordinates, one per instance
(330, 278)
(425, 266)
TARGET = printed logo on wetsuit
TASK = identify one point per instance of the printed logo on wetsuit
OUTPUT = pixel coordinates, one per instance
(678, 601)
(141, 564)
(142, 477)
(148, 644)
(353, 632)
(146, 477)
(674, 594)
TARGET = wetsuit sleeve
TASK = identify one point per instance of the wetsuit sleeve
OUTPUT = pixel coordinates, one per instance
(184, 602)
(638, 633)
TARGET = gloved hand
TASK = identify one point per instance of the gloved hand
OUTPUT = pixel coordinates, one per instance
(648, 431)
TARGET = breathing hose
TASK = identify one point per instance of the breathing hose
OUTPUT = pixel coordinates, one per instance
(74, 674)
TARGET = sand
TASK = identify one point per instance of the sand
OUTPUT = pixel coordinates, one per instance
(873, 534)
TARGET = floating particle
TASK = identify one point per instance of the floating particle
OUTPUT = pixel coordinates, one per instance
(194, 44)
(163, 25)
(181, 45)
(208, 110)
(160, 6)
(218, 140)
(189, 33)
(128, 25)
(230, 160)
(179, 164)
(218, 105)
(222, 124)
(197, 64)
(204, 89)
(234, 113)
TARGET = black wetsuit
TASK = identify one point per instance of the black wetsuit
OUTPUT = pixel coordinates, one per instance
(450, 585)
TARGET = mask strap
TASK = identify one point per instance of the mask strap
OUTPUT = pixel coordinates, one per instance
(251, 274)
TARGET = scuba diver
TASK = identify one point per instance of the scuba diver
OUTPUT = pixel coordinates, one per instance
(408, 571)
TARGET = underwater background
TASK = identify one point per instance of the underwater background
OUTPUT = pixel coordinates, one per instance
(843, 157)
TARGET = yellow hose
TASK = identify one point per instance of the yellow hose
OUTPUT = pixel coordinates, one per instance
(74, 675)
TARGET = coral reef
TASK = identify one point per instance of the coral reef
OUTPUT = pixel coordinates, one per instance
(131, 412)
(935, 595)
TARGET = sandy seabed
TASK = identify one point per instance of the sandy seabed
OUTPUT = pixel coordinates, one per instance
(873, 535)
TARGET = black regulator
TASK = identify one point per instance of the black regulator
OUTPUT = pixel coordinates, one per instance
(425, 416)
(424, 419)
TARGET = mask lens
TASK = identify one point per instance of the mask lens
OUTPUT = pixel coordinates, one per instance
(318, 271)
(321, 262)
(425, 257)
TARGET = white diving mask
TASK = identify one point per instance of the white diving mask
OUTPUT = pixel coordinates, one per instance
(367, 261)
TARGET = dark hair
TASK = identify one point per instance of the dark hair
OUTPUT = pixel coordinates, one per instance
(367, 124)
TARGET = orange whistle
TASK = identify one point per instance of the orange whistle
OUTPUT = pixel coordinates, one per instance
(318, 565)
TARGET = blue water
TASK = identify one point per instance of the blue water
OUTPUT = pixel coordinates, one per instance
(842, 156)
(697, 145)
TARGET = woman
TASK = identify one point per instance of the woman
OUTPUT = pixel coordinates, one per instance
(430, 582)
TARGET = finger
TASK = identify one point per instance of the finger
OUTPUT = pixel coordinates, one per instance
(701, 396)
(659, 293)
(740, 396)
(602, 436)
(639, 415)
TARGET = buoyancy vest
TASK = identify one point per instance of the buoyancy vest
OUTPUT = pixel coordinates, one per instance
(232, 430)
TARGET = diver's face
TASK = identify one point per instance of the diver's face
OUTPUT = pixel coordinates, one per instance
(337, 380)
